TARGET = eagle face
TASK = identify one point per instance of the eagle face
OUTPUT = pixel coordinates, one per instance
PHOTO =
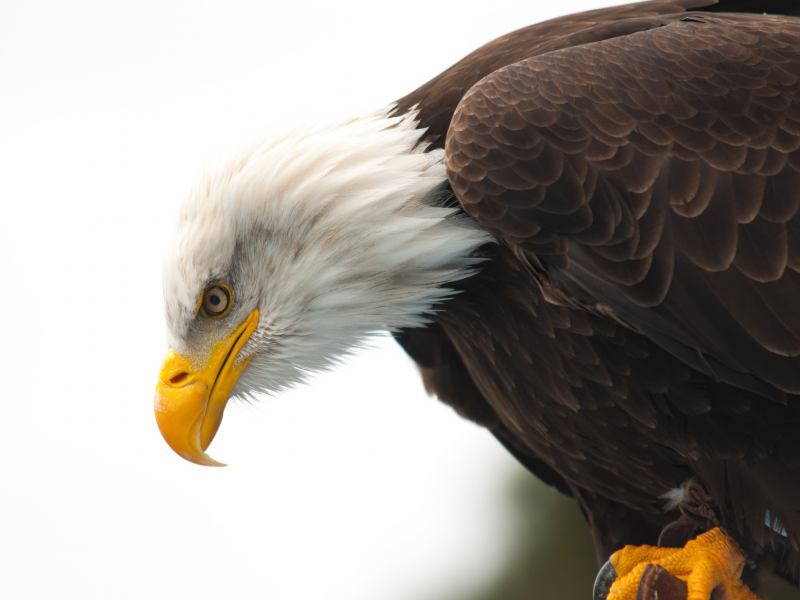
(294, 252)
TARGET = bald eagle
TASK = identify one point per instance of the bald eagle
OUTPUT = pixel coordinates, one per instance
(586, 234)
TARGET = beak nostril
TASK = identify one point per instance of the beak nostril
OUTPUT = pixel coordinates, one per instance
(178, 378)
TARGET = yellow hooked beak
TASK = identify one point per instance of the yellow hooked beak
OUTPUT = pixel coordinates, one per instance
(189, 402)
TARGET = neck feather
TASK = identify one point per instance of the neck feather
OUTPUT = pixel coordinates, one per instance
(349, 230)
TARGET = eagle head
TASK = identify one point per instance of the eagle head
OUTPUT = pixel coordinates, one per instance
(292, 253)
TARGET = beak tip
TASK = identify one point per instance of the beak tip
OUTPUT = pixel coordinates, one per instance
(203, 459)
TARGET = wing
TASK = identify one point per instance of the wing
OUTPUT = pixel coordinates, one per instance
(657, 173)
(437, 99)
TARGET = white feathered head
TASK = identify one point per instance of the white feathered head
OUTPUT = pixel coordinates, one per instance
(292, 253)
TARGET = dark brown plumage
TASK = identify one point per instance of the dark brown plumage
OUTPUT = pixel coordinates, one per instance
(639, 323)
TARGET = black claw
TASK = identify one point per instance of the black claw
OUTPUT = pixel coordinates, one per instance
(605, 577)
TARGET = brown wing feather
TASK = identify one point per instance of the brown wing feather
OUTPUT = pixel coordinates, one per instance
(590, 179)
(661, 170)
(437, 99)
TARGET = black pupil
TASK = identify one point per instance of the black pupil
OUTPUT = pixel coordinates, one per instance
(214, 300)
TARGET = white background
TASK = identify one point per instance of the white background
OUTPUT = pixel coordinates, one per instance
(358, 486)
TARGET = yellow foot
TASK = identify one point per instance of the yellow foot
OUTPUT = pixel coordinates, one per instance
(711, 561)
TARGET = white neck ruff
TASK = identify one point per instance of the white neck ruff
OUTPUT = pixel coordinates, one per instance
(336, 231)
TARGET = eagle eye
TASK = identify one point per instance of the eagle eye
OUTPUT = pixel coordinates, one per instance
(217, 300)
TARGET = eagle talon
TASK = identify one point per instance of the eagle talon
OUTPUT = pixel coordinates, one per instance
(710, 561)
(605, 578)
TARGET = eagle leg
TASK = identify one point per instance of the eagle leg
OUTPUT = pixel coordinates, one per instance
(712, 561)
